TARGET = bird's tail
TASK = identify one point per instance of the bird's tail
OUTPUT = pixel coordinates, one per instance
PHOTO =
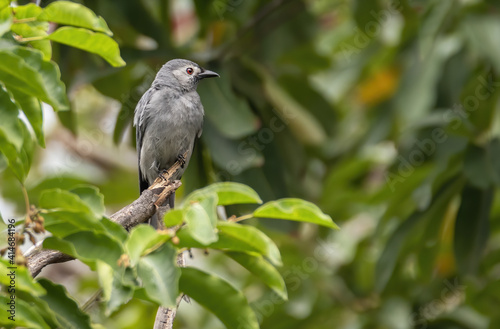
(154, 220)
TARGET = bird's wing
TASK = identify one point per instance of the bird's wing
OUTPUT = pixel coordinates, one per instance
(198, 133)
(140, 123)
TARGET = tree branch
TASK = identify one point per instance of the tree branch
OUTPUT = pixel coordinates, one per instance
(129, 216)
(165, 316)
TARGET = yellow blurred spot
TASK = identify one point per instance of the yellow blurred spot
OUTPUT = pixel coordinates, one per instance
(219, 30)
(379, 87)
(124, 261)
(445, 260)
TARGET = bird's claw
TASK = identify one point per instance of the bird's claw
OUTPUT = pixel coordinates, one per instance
(163, 173)
(182, 160)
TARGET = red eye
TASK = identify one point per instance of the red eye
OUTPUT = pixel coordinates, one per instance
(189, 71)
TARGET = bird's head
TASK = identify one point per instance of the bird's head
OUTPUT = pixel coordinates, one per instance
(183, 74)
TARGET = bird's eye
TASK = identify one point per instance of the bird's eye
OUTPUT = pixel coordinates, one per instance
(189, 71)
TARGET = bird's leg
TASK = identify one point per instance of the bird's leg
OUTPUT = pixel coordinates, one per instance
(181, 159)
(163, 173)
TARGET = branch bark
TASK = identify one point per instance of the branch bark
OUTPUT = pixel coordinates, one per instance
(165, 315)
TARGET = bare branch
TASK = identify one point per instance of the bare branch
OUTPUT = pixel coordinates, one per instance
(165, 316)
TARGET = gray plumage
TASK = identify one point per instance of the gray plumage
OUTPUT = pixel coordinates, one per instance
(169, 119)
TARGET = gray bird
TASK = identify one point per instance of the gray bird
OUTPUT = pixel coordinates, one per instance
(168, 120)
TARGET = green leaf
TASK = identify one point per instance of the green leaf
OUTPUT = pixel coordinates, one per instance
(479, 166)
(232, 156)
(309, 60)
(220, 101)
(387, 261)
(472, 228)
(41, 307)
(480, 32)
(32, 108)
(24, 69)
(123, 121)
(227, 192)
(173, 217)
(96, 43)
(115, 229)
(5, 20)
(29, 10)
(15, 139)
(258, 241)
(33, 29)
(28, 149)
(120, 295)
(142, 238)
(68, 120)
(160, 275)
(75, 14)
(200, 221)
(296, 210)
(83, 208)
(236, 237)
(10, 125)
(209, 204)
(219, 297)
(258, 266)
(363, 12)
(303, 125)
(417, 90)
(62, 223)
(66, 309)
(88, 247)
(105, 273)
(91, 196)
(25, 315)
(4, 4)
(22, 278)
(59, 199)
(115, 293)
(479, 99)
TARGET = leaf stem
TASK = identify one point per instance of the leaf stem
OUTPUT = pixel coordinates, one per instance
(238, 219)
(23, 20)
(26, 203)
(92, 300)
(21, 39)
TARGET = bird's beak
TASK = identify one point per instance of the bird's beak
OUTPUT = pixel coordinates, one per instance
(207, 74)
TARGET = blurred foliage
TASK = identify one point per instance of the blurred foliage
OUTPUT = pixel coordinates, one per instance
(383, 113)
(143, 263)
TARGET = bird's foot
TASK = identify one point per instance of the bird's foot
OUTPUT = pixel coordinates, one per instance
(182, 160)
(163, 173)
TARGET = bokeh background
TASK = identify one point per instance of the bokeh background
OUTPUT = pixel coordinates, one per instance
(384, 113)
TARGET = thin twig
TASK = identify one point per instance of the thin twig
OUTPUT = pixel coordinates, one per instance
(165, 315)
